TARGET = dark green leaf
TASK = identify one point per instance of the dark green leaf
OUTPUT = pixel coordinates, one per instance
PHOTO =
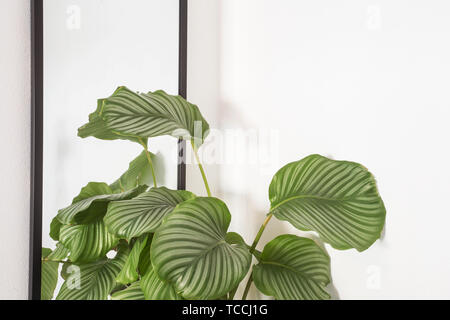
(138, 173)
(91, 209)
(129, 272)
(55, 227)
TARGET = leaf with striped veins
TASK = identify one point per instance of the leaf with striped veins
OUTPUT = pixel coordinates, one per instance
(190, 250)
(337, 199)
(129, 271)
(153, 114)
(87, 242)
(156, 289)
(95, 280)
(85, 210)
(132, 292)
(139, 173)
(49, 275)
(293, 268)
(143, 214)
(96, 127)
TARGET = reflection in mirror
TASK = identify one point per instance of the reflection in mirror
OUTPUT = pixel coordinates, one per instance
(91, 47)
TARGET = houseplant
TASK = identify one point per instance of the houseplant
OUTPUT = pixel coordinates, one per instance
(171, 244)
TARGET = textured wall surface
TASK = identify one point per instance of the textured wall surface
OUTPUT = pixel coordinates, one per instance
(15, 147)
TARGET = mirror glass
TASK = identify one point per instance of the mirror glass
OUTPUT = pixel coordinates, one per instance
(91, 47)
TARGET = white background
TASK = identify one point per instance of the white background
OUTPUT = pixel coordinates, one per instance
(357, 80)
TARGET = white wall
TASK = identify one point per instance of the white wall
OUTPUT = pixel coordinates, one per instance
(360, 80)
(15, 147)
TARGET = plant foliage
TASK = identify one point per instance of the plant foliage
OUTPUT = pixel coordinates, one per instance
(171, 245)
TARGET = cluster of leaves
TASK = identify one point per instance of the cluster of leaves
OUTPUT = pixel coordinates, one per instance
(171, 244)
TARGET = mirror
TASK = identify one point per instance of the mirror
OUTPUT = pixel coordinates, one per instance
(90, 48)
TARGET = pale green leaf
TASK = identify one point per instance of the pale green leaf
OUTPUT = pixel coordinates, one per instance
(156, 289)
(153, 114)
(87, 242)
(94, 281)
(337, 199)
(60, 253)
(143, 214)
(49, 275)
(293, 268)
(190, 250)
(132, 292)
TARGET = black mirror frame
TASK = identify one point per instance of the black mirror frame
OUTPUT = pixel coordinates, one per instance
(37, 89)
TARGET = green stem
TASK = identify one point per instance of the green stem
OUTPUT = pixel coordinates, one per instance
(252, 249)
(149, 159)
(202, 171)
(50, 260)
(247, 286)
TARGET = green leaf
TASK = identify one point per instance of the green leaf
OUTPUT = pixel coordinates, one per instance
(60, 253)
(337, 199)
(55, 227)
(96, 127)
(190, 250)
(129, 272)
(143, 214)
(95, 281)
(92, 189)
(49, 275)
(133, 292)
(87, 242)
(156, 289)
(144, 258)
(293, 268)
(138, 173)
(93, 208)
(153, 114)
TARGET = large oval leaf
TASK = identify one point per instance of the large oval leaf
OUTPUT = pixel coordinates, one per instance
(133, 292)
(143, 214)
(49, 277)
(337, 199)
(94, 281)
(156, 289)
(190, 250)
(87, 210)
(87, 242)
(293, 268)
(153, 114)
